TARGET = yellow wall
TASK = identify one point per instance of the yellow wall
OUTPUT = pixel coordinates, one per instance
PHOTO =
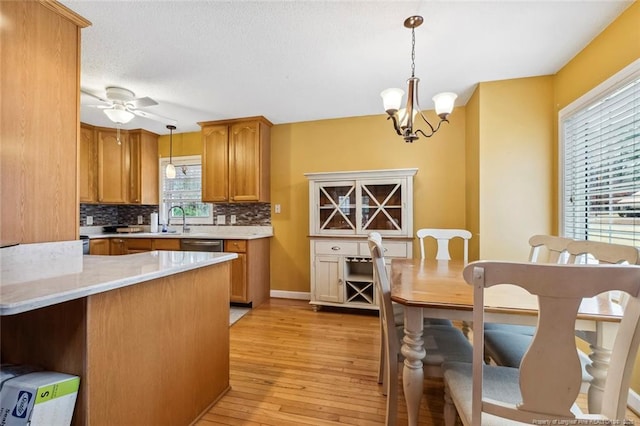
(515, 154)
(358, 143)
(615, 48)
(183, 144)
(472, 166)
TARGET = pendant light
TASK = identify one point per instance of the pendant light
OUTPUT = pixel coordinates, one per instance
(403, 119)
(171, 169)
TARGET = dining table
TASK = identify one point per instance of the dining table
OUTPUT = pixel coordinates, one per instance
(436, 289)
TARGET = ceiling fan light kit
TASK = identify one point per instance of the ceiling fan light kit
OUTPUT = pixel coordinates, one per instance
(403, 119)
(122, 106)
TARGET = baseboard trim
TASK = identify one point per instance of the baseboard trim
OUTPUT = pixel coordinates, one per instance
(281, 294)
(633, 401)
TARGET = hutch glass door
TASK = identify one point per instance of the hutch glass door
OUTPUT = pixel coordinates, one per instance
(381, 206)
(337, 207)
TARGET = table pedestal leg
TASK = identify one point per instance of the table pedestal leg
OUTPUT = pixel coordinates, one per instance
(413, 352)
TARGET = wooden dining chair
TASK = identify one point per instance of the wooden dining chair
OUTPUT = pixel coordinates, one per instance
(546, 384)
(443, 236)
(442, 343)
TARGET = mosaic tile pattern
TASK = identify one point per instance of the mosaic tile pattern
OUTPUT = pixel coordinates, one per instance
(247, 214)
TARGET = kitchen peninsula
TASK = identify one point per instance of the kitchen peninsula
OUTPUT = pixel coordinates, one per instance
(147, 333)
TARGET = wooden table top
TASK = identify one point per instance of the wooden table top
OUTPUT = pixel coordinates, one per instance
(439, 284)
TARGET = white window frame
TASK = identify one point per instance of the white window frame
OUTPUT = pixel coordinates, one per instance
(623, 77)
(178, 162)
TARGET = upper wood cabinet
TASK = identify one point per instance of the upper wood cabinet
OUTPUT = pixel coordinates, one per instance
(88, 165)
(39, 122)
(236, 160)
(118, 173)
(143, 184)
(113, 166)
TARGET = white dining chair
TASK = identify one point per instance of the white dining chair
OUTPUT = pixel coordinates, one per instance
(506, 346)
(443, 236)
(547, 382)
(442, 343)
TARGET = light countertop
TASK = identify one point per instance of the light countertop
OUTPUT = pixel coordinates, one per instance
(198, 232)
(38, 275)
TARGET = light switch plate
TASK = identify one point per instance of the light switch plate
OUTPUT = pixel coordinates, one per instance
(220, 219)
(140, 220)
(89, 220)
(232, 219)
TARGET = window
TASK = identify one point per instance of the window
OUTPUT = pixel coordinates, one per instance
(600, 162)
(185, 190)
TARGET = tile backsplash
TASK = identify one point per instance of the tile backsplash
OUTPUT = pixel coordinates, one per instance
(247, 214)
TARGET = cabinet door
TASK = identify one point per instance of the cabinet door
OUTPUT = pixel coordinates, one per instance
(113, 167)
(239, 279)
(215, 163)
(328, 285)
(135, 172)
(143, 174)
(138, 245)
(88, 166)
(166, 244)
(244, 162)
(99, 246)
(117, 246)
(382, 207)
(336, 208)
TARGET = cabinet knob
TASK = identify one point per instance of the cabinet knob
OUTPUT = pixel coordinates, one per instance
(335, 248)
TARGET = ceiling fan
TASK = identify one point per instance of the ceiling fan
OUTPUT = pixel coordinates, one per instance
(122, 106)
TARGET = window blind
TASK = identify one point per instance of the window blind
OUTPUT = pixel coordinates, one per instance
(601, 168)
(185, 189)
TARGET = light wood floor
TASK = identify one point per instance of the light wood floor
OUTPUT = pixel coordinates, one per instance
(293, 366)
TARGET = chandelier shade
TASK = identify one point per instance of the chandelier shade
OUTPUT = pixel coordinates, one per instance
(403, 118)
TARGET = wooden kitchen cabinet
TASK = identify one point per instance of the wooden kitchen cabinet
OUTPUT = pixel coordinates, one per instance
(118, 173)
(143, 173)
(235, 160)
(113, 166)
(100, 246)
(137, 245)
(166, 244)
(39, 126)
(117, 246)
(250, 271)
(88, 165)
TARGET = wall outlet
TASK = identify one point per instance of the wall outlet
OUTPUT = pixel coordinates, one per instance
(140, 220)
(220, 219)
(89, 220)
(277, 208)
(232, 219)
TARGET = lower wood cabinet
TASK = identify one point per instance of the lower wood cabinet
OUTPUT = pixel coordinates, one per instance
(99, 246)
(250, 271)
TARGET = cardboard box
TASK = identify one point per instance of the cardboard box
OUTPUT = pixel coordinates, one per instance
(40, 398)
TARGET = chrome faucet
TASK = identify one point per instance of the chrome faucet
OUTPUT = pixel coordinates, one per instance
(184, 219)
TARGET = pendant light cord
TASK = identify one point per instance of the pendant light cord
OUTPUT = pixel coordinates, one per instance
(413, 52)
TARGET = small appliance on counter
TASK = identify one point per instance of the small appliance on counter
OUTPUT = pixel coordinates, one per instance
(85, 244)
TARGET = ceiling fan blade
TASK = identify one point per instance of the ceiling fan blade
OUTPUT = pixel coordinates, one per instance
(99, 106)
(142, 102)
(93, 95)
(155, 117)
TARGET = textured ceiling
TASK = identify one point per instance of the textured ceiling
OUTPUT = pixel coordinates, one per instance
(296, 61)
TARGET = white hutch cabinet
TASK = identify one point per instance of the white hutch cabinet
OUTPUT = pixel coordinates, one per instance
(343, 208)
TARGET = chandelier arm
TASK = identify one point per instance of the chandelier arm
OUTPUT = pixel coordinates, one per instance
(394, 118)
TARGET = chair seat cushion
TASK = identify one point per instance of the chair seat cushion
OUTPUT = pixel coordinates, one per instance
(507, 349)
(398, 316)
(443, 343)
(500, 383)
(528, 330)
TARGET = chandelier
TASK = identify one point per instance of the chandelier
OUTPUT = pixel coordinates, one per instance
(403, 119)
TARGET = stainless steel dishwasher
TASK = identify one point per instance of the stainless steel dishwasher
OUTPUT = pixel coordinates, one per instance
(190, 244)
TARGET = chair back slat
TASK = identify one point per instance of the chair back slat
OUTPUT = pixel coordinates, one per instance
(550, 379)
(548, 249)
(601, 252)
(443, 236)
